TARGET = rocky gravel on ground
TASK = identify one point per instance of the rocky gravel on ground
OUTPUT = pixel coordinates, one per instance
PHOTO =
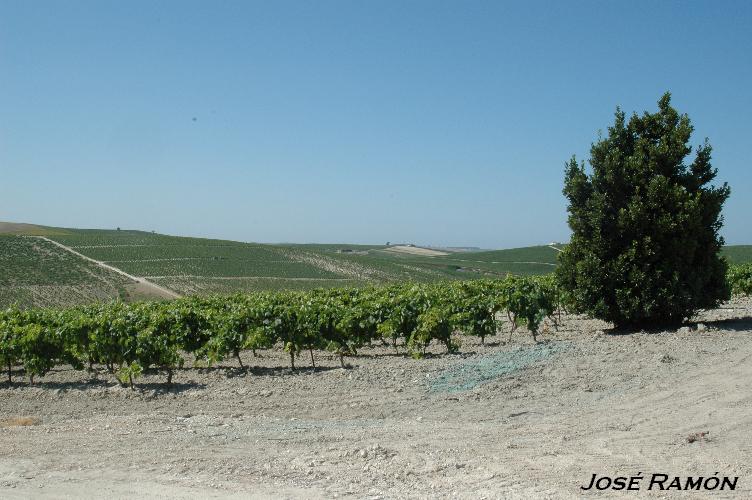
(512, 419)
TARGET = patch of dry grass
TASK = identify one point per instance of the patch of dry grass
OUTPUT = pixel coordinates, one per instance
(20, 421)
(30, 229)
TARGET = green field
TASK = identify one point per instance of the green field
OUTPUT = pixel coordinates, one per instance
(199, 265)
(528, 261)
(35, 272)
(738, 254)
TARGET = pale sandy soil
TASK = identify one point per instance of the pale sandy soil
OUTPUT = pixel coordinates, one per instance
(22, 228)
(514, 420)
(17, 228)
(415, 250)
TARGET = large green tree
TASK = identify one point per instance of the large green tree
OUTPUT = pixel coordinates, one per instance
(645, 225)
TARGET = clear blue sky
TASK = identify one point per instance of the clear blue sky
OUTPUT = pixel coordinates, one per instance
(442, 123)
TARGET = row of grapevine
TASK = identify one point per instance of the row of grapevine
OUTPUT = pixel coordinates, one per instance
(129, 338)
(740, 279)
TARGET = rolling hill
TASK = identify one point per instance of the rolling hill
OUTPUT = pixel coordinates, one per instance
(48, 266)
(35, 272)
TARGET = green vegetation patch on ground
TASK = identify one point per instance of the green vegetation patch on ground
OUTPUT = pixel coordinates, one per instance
(738, 254)
(34, 261)
(109, 237)
(200, 265)
(37, 273)
(544, 254)
(229, 268)
(183, 252)
(204, 286)
(254, 266)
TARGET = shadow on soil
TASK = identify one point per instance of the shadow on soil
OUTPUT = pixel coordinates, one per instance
(99, 379)
(236, 371)
(96, 383)
(734, 324)
(402, 354)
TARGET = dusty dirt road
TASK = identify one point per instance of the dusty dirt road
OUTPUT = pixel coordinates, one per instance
(514, 420)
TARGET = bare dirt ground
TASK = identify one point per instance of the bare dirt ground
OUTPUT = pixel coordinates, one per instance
(415, 250)
(515, 420)
(28, 229)
(142, 291)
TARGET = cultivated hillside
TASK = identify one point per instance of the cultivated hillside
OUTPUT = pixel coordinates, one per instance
(35, 272)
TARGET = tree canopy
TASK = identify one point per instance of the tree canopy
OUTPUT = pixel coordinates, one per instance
(645, 225)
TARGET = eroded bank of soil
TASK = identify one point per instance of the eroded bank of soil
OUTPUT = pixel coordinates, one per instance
(514, 420)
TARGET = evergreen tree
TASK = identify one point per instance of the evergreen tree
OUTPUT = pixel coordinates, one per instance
(645, 226)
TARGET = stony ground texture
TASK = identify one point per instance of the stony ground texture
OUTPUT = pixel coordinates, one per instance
(504, 420)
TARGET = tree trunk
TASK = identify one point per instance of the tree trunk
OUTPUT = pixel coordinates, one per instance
(237, 356)
(169, 376)
(342, 360)
(513, 320)
(313, 361)
(448, 343)
(130, 379)
(10, 373)
(292, 360)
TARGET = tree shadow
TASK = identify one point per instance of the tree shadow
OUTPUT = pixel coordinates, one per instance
(622, 331)
(734, 324)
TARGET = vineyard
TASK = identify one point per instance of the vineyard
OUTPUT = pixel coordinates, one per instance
(351, 369)
(737, 254)
(130, 338)
(204, 266)
(150, 254)
(36, 273)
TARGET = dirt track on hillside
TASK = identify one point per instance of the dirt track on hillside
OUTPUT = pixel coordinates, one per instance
(146, 287)
(512, 420)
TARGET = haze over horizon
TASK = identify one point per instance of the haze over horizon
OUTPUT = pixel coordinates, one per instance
(434, 123)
